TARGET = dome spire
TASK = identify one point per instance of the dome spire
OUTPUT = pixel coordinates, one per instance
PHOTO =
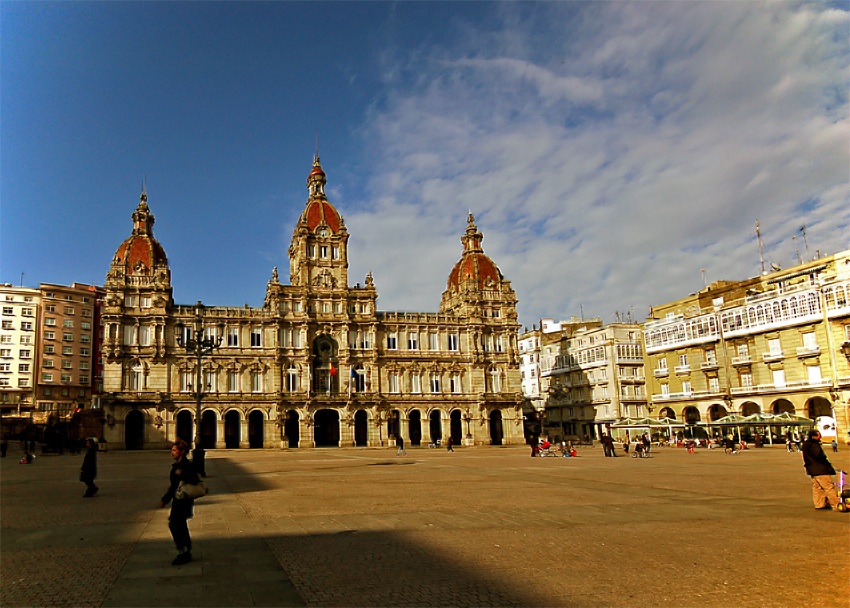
(472, 239)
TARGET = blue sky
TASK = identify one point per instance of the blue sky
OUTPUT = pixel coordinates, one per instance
(609, 151)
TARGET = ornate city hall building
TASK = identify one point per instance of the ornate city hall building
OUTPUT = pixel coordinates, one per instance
(317, 365)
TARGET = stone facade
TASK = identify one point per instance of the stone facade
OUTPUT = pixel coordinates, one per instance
(317, 364)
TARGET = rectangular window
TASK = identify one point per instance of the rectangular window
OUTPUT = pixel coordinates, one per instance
(779, 378)
(233, 336)
(323, 252)
(665, 390)
(85, 325)
(84, 364)
(50, 321)
(7, 325)
(415, 384)
(813, 373)
(256, 336)
(5, 352)
(26, 339)
(710, 356)
(69, 310)
(662, 363)
(392, 341)
(498, 345)
(454, 383)
(66, 364)
(292, 380)
(433, 341)
(85, 338)
(256, 382)
(24, 353)
(26, 326)
(746, 379)
(454, 342)
(774, 346)
(7, 367)
(326, 307)
(210, 382)
(683, 360)
(743, 351)
(46, 377)
(311, 251)
(24, 368)
(49, 335)
(413, 341)
(8, 310)
(7, 339)
(233, 382)
(67, 350)
(714, 385)
(85, 352)
(393, 382)
(686, 387)
(84, 379)
(435, 383)
(146, 301)
(186, 382)
(129, 301)
(810, 340)
(129, 335)
(144, 335)
(335, 252)
(86, 312)
(66, 377)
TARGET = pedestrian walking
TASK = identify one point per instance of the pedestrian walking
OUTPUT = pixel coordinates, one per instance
(88, 472)
(182, 509)
(818, 467)
(449, 443)
(834, 445)
(399, 441)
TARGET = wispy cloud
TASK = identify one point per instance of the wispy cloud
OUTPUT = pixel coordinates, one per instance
(609, 153)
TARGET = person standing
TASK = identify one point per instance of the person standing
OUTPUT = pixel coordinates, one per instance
(88, 472)
(181, 508)
(399, 441)
(818, 467)
(449, 443)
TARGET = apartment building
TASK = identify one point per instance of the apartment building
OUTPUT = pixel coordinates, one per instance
(69, 368)
(596, 376)
(19, 320)
(779, 342)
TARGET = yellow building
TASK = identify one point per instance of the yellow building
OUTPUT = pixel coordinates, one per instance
(317, 364)
(775, 343)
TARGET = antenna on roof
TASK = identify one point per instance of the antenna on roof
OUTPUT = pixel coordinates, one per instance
(805, 242)
(797, 249)
(761, 251)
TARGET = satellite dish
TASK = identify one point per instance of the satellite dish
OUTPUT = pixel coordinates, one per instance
(775, 266)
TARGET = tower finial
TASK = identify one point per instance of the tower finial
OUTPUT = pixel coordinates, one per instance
(317, 145)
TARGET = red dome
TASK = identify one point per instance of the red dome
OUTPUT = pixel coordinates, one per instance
(139, 254)
(318, 211)
(477, 267)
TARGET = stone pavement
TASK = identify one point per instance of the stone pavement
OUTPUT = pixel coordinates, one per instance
(478, 527)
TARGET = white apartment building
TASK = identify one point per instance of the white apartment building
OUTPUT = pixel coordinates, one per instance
(18, 348)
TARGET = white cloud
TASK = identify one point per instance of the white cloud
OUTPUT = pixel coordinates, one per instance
(610, 155)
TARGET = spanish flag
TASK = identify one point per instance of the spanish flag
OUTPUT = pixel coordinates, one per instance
(333, 369)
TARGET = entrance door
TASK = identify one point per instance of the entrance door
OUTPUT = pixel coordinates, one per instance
(293, 434)
(209, 432)
(326, 429)
(134, 431)
(361, 428)
(184, 427)
(436, 426)
(415, 428)
(456, 427)
(496, 433)
(232, 430)
(256, 425)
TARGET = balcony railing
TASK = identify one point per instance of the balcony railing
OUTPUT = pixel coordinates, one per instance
(660, 372)
(808, 351)
(743, 360)
(708, 365)
(788, 386)
(683, 369)
(774, 355)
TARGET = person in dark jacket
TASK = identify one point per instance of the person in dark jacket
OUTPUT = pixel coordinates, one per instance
(181, 508)
(818, 467)
(88, 472)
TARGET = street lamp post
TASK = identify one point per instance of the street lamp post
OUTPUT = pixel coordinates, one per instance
(198, 345)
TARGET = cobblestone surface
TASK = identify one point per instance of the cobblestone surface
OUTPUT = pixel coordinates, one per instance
(480, 527)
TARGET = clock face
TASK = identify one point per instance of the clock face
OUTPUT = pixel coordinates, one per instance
(323, 232)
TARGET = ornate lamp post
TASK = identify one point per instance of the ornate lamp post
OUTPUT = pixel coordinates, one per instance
(468, 419)
(198, 345)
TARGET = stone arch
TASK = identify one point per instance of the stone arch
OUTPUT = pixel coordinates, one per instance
(456, 426)
(326, 428)
(256, 429)
(292, 428)
(748, 408)
(134, 430)
(209, 429)
(361, 428)
(818, 406)
(667, 412)
(496, 430)
(232, 429)
(716, 411)
(781, 406)
(185, 426)
(691, 415)
(414, 427)
(435, 425)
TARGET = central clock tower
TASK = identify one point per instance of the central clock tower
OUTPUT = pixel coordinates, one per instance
(318, 255)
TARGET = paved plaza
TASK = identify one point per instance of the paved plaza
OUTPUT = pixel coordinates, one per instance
(483, 526)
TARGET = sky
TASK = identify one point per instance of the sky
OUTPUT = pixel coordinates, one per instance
(615, 155)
